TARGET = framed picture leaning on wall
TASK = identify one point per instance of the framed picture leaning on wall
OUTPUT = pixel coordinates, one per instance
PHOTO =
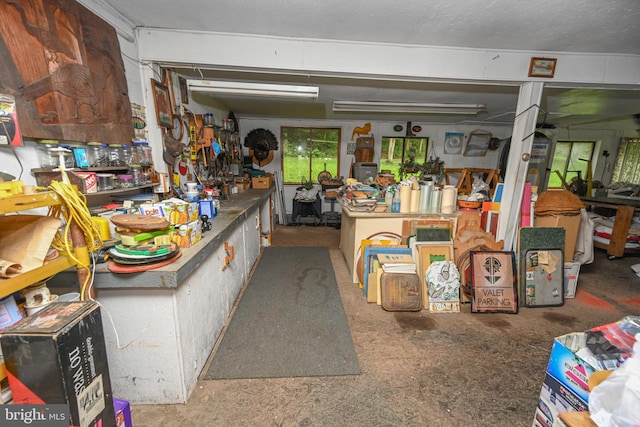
(162, 104)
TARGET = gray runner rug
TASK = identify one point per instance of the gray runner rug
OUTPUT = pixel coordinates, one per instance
(290, 322)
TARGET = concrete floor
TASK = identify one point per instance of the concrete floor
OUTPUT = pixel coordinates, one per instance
(418, 368)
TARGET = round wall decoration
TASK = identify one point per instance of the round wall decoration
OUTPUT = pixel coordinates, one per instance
(416, 128)
(261, 158)
(397, 128)
(453, 143)
(261, 143)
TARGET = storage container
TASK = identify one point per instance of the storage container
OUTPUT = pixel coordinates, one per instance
(138, 177)
(144, 153)
(49, 151)
(116, 155)
(125, 180)
(97, 154)
(46, 157)
(127, 155)
(105, 181)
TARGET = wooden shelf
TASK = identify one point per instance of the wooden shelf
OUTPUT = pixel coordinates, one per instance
(28, 278)
(120, 190)
(92, 169)
(24, 202)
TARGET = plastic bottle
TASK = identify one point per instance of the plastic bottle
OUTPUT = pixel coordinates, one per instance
(388, 199)
(396, 203)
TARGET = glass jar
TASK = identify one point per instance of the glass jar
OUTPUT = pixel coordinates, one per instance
(148, 154)
(137, 154)
(126, 180)
(105, 181)
(144, 153)
(65, 154)
(127, 155)
(115, 155)
(138, 177)
(46, 156)
(97, 154)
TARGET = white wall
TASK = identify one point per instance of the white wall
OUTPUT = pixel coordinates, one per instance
(378, 129)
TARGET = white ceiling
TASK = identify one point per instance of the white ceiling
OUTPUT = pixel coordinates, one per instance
(594, 26)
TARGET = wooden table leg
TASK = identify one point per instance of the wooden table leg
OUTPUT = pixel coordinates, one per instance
(621, 225)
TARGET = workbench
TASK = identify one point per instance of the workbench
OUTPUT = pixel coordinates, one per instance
(161, 325)
(625, 208)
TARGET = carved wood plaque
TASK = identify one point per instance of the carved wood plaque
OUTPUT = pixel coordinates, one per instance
(63, 65)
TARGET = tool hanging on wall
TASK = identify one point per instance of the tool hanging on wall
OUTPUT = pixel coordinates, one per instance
(193, 140)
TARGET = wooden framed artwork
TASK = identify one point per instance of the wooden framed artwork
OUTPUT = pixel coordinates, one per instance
(184, 90)
(493, 282)
(542, 67)
(428, 253)
(543, 278)
(477, 143)
(63, 65)
(162, 104)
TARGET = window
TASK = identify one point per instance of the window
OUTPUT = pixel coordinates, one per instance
(627, 166)
(396, 151)
(308, 151)
(570, 160)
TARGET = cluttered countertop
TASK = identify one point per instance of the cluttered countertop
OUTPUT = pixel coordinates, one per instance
(384, 197)
(232, 213)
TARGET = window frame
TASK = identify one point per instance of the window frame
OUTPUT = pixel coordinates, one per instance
(310, 176)
(565, 171)
(626, 149)
(404, 156)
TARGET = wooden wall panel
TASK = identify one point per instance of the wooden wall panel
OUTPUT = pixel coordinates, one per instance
(63, 65)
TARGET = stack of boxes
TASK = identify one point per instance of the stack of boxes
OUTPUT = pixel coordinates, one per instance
(574, 358)
(184, 216)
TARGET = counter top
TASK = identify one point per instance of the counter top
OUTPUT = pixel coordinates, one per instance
(350, 211)
(232, 212)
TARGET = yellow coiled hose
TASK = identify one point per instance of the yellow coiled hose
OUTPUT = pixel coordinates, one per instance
(73, 209)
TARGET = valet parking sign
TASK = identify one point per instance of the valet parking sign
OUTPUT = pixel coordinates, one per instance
(34, 415)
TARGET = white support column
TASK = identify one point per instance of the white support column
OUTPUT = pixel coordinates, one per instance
(524, 128)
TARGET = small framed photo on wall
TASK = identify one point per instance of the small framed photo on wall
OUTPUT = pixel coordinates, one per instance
(162, 103)
(542, 67)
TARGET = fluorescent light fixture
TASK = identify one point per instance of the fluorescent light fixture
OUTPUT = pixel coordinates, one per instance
(253, 89)
(406, 107)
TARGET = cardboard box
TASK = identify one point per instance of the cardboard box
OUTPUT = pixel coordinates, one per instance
(58, 356)
(571, 363)
(123, 413)
(188, 235)
(571, 272)
(179, 212)
(567, 367)
(261, 182)
(90, 182)
(571, 225)
(176, 211)
(152, 209)
(565, 387)
(556, 398)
